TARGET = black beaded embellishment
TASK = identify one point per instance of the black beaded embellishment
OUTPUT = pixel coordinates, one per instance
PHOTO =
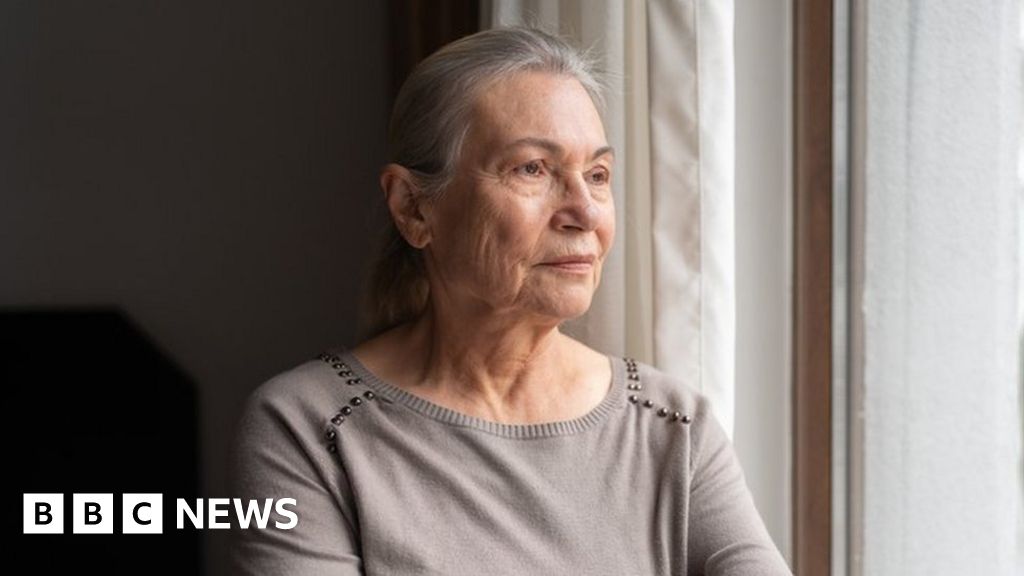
(344, 372)
(633, 377)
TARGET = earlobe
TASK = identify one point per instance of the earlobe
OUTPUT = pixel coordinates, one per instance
(405, 203)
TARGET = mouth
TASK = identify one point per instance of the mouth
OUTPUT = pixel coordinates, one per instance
(576, 263)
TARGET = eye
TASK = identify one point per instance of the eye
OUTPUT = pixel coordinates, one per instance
(533, 168)
(599, 176)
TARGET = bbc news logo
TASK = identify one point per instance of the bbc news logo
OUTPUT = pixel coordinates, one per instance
(143, 513)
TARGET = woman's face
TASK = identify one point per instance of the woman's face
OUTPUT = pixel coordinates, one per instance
(528, 220)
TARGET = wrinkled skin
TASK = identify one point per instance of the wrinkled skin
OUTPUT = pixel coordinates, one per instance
(534, 185)
(513, 247)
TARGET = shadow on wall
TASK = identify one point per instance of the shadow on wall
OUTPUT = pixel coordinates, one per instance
(97, 408)
(210, 169)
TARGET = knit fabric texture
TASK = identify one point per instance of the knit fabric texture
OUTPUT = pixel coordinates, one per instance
(386, 482)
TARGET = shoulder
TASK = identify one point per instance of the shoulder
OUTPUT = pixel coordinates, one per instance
(651, 388)
(296, 403)
(300, 388)
(648, 383)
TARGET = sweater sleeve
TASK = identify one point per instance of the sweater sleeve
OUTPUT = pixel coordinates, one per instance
(726, 534)
(280, 453)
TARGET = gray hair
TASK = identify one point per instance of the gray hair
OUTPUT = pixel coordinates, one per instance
(428, 125)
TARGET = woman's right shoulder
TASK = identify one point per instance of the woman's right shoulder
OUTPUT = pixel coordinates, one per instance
(279, 448)
(304, 392)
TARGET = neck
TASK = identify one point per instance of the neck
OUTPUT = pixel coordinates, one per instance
(503, 369)
(495, 359)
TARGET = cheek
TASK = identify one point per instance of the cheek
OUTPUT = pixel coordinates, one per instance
(505, 245)
(488, 243)
(606, 228)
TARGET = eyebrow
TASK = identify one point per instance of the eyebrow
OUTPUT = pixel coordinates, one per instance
(554, 148)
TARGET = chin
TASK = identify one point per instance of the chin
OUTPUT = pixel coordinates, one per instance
(563, 304)
(569, 310)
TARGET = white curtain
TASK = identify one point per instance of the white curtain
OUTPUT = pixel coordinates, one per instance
(668, 294)
(936, 93)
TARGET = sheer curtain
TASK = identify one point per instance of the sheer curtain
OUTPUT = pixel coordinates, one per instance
(937, 459)
(668, 293)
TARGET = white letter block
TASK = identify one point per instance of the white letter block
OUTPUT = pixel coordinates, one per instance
(93, 514)
(142, 513)
(43, 514)
(215, 512)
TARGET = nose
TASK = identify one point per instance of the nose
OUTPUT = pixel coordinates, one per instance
(577, 209)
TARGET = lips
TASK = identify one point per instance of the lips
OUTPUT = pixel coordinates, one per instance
(579, 259)
(571, 264)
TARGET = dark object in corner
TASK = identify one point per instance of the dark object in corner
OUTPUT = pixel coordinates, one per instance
(93, 406)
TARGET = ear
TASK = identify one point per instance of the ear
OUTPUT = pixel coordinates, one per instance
(407, 205)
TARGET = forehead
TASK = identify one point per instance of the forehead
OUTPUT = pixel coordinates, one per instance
(539, 106)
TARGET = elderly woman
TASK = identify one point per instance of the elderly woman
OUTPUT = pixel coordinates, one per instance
(470, 435)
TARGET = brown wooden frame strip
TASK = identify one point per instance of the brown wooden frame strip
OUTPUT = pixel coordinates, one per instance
(812, 294)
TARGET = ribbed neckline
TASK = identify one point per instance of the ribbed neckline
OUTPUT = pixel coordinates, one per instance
(613, 399)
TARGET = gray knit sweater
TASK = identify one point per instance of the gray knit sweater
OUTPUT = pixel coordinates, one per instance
(388, 483)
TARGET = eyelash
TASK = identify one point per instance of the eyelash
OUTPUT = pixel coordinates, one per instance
(521, 170)
(604, 174)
